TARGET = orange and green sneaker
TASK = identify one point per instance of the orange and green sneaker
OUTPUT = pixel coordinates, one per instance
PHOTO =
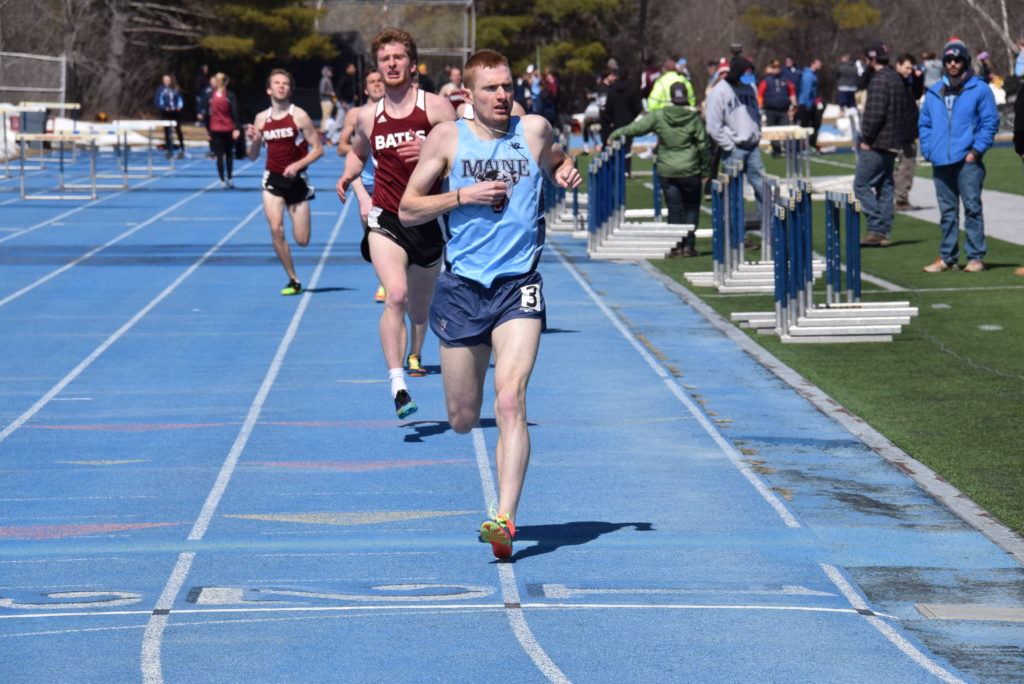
(293, 287)
(381, 296)
(498, 532)
(415, 369)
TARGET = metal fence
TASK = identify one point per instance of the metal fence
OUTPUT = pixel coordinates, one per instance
(32, 78)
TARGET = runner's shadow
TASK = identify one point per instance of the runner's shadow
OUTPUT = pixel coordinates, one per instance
(431, 428)
(323, 290)
(553, 537)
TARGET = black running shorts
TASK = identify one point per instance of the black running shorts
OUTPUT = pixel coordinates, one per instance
(423, 243)
(294, 190)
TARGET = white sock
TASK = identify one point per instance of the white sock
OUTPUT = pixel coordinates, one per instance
(397, 377)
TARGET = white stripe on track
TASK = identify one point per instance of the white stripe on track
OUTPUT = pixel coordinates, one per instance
(92, 252)
(730, 451)
(887, 630)
(152, 670)
(507, 577)
(84, 206)
(106, 344)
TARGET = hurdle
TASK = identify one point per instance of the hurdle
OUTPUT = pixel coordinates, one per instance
(63, 107)
(63, 139)
(11, 119)
(148, 126)
(610, 235)
(796, 317)
(796, 147)
(731, 271)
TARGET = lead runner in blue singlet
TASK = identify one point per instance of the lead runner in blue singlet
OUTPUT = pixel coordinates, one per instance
(490, 295)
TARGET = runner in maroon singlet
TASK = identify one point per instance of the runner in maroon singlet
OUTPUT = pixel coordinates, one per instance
(405, 259)
(292, 145)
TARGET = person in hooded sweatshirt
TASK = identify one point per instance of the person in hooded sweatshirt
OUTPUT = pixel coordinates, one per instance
(683, 160)
(957, 125)
(622, 106)
(734, 122)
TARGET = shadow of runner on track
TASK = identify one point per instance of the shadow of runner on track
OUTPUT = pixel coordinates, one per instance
(431, 428)
(553, 537)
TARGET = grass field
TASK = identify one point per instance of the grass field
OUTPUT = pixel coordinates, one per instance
(949, 390)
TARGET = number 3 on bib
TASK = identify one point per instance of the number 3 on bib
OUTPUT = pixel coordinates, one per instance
(531, 298)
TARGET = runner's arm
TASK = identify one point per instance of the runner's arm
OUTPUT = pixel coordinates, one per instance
(316, 148)
(252, 132)
(417, 206)
(360, 152)
(559, 166)
(348, 127)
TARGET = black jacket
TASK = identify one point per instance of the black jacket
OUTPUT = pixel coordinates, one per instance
(886, 112)
(1018, 121)
(623, 104)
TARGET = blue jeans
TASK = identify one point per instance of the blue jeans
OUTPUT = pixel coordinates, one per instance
(753, 166)
(874, 187)
(955, 183)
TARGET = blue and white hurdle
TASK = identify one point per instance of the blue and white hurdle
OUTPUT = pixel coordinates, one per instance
(842, 317)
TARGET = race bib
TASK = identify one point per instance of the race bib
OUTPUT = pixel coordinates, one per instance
(530, 297)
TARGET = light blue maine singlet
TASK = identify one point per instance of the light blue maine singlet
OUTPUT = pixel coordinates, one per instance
(488, 242)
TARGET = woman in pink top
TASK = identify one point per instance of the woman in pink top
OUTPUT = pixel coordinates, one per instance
(223, 126)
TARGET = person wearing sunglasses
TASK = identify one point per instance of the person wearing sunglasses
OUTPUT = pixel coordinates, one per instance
(958, 123)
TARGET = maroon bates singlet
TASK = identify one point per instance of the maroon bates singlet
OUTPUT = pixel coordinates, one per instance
(388, 132)
(285, 142)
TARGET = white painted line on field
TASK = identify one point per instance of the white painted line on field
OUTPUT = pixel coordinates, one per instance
(728, 449)
(152, 670)
(887, 630)
(86, 206)
(113, 241)
(507, 576)
(81, 367)
(930, 481)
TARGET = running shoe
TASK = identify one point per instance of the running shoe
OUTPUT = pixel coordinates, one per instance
(381, 295)
(415, 369)
(404, 405)
(293, 287)
(498, 532)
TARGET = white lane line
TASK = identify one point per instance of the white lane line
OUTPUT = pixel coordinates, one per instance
(886, 629)
(507, 577)
(80, 368)
(92, 252)
(152, 670)
(730, 451)
(84, 206)
(454, 607)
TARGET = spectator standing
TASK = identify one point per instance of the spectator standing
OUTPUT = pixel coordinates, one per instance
(223, 127)
(327, 96)
(454, 91)
(957, 125)
(809, 104)
(1018, 128)
(648, 77)
(932, 68)
(984, 67)
(169, 102)
(913, 82)
(347, 90)
(883, 134)
(1018, 65)
(622, 107)
(847, 76)
(791, 72)
(198, 87)
(660, 94)
(682, 161)
(523, 90)
(734, 122)
(425, 82)
(778, 100)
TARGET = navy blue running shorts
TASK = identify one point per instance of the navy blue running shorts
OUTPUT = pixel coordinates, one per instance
(464, 312)
(294, 190)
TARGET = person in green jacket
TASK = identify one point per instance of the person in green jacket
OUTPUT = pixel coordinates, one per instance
(683, 160)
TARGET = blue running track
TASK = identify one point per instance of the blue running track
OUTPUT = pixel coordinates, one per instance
(204, 481)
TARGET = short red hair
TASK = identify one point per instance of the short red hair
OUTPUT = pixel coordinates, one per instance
(484, 59)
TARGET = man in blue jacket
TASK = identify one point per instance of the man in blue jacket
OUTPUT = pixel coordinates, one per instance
(957, 125)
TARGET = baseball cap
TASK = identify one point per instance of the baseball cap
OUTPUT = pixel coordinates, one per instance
(877, 49)
(678, 94)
